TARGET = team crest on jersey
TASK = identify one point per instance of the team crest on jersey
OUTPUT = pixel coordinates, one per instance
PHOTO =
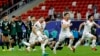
(6, 23)
(19, 23)
(14, 25)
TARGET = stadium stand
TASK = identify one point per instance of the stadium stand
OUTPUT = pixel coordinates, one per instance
(3, 2)
(60, 5)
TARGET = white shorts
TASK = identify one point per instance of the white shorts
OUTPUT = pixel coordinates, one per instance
(42, 35)
(34, 38)
(62, 36)
(87, 35)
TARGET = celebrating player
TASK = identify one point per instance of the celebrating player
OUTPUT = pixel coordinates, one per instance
(87, 32)
(31, 39)
(65, 32)
(38, 35)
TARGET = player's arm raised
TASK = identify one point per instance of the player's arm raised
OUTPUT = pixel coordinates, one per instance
(81, 25)
(97, 25)
(43, 27)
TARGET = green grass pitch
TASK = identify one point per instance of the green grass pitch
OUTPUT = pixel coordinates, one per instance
(81, 51)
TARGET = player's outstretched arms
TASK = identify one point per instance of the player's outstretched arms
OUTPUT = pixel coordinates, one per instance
(97, 25)
(80, 27)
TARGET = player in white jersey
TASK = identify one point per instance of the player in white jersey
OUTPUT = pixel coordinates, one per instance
(87, 32)
(65, 32)
(32, 35)
(38, 35)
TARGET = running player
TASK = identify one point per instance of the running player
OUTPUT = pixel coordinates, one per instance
(87, 32)
(65, 32)
(38, 35)
(31, 24)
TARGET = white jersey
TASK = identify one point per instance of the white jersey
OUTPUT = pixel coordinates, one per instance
(39, 25)
(67, 23)
(65, 32)
(87, 26)
(33, 37)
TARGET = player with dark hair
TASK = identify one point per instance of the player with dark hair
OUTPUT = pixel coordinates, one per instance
(38, 35)
(19, 24)
(13, 33)
(87, 32)
(5, 31)
(65, 32)
(31, 24)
